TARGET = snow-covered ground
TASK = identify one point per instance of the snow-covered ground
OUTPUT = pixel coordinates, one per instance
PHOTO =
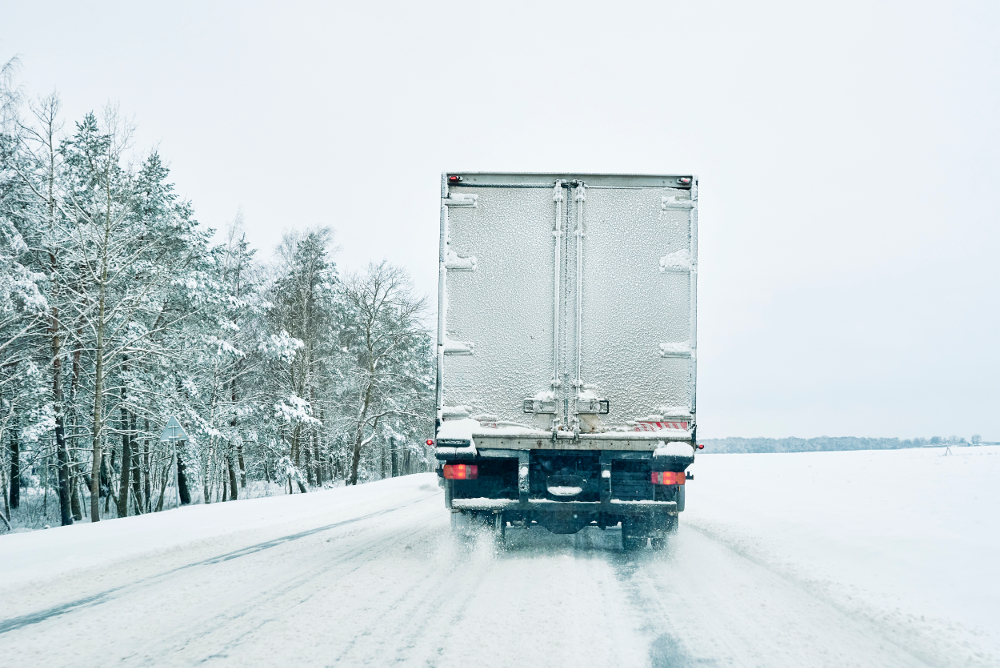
(908, 540)
(813, 559)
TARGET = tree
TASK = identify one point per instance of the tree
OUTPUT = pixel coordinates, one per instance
(382, 336)
(306, 305)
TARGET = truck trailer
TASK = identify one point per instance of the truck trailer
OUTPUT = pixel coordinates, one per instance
(567, 351)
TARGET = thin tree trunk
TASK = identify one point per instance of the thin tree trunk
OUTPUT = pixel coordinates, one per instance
(15, 466)
(295, 444)
(359, 433)
(394, 470)
(74, 484)
(206, 481)
(126, 475)
(146, 488)
(62, 455)
(3, 483)
(309, 467)
(317, 461)
(242, 463)
(95, 492)
(45, 486)
(136, 469)
(163, 486)
(234, 489)
(182, 486)
(76, 487)
(105, 481)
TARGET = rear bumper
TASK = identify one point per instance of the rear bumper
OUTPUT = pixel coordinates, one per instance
(566, 517)
(613, 507)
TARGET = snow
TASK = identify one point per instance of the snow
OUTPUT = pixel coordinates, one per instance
(909, 537)
(36, 554)
(453, 261)
(884, 558)
(676, 261)
(458, 429)
(513, 429)
(449, 412)
(561, 490)
(673, 449)
(675, 349)
(458, 347)
(675, 411)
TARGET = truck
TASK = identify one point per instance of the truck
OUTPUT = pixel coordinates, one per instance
(567, 351)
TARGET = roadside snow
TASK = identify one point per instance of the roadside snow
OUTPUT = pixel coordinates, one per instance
(908, 537)
(51, 552)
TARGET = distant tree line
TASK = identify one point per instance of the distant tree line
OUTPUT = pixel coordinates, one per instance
(117, 310)
(823, 443)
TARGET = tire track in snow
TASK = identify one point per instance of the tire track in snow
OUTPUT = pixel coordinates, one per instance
(276, 603)
(941, 653)
(760, 617)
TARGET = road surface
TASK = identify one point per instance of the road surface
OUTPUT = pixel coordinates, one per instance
(387, 585)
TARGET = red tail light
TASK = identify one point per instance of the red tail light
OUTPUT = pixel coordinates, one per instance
(463, 471)
(668, 477)
(430, 441)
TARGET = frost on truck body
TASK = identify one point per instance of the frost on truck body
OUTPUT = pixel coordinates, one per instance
(521, 326)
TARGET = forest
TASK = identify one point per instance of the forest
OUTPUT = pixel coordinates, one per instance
(119, 310)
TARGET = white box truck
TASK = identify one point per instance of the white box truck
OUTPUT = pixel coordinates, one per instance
(567, 350)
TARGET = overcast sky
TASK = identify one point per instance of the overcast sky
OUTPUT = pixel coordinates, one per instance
(849, 157)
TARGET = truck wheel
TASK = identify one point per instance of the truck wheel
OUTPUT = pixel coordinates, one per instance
(669, 527)
(462, 526)
(499, 529)
(630, 540)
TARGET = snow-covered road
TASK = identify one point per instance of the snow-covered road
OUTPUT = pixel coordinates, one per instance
(370, 576)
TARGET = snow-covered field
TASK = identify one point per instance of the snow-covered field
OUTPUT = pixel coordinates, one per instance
(814, 559)
(908, 540)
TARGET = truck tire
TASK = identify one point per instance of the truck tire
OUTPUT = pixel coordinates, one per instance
(467, 526)
(632, 541)
(462, 526)
(669, 528)
(499, 529)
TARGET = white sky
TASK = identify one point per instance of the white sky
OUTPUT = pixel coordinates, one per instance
(849, 157)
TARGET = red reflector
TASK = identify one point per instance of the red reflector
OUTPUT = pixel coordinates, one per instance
(461, 471)
(668, 477)
(430, 441)
(454, 179)
(701, 446)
